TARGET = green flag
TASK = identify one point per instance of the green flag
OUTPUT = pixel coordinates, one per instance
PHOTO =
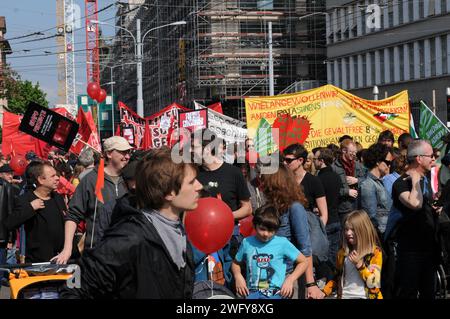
(430, 127)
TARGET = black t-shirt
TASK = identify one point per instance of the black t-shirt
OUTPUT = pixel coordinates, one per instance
(417, 228)
(312, 188)
(227, 181)
(332, 184)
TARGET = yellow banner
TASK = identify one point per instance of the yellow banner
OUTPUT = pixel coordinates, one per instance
(329, 112)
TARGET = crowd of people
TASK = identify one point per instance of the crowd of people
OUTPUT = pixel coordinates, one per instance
(338, 221)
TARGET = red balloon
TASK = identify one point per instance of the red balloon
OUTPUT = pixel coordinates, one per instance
(210, 226)
(252, 158)
(101, 96)
(18, 163)
(246, 226)
(93, 90)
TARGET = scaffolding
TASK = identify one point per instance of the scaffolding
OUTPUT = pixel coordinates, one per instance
(222, 53)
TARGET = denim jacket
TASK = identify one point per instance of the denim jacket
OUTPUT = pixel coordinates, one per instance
(295, 227)
(375, 200)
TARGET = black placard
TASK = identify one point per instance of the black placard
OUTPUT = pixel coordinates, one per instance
(49, 126)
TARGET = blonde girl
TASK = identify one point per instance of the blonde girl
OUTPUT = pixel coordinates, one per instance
(358, 264)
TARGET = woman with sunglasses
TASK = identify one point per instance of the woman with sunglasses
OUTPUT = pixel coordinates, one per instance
(374, 198)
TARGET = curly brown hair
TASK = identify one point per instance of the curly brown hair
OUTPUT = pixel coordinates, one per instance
(281, 189)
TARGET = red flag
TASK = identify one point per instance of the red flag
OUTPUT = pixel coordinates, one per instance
(147, 143)
(100, 180)
(84, 132)
(216, 107)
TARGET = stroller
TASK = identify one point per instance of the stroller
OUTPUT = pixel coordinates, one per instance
(40, 280)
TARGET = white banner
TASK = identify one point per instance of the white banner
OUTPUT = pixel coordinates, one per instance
(228, 128)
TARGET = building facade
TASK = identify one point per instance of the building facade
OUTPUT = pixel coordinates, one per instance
(4, 50)
(396, 45)
(221, 54)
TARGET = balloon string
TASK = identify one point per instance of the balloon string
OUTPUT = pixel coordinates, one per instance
(202, 264)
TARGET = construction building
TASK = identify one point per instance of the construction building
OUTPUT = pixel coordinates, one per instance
(4, 50)
(395, 45)
(221, 54)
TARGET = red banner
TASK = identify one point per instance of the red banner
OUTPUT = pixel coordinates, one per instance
(162, 122)
(129, 119)
(194, 120)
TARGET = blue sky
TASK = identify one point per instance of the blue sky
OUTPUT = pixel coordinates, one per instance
(28, 16)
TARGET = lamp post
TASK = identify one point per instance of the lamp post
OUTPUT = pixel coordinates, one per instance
(138, 41)
(375, 92)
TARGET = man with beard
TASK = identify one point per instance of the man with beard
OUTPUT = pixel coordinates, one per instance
(84, 204)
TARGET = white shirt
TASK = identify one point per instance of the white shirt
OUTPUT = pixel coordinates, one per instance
(353, 285)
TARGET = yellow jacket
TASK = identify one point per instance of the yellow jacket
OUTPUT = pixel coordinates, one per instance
(370, 273)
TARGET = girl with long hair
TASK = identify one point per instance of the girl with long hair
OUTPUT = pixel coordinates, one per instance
(358, 264)
(284, 193)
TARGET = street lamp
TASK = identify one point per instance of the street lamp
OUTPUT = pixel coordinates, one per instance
(375, 92)
(111, 68)
(138, 40)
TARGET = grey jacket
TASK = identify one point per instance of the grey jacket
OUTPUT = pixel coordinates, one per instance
(82, 204)
(346, 202)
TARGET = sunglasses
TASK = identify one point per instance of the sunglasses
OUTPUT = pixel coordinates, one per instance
(430, 156)
(289, 160)
(388, 163)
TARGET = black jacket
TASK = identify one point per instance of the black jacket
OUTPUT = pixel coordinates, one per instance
(130, 262)
(6, 207)
(39, 246)
(112, 211)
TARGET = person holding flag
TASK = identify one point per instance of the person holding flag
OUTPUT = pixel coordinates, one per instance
(103, 184)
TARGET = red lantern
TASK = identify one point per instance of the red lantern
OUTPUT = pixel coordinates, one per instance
(93, 90)
(101, 96)
(210, 226)
(19, 164)
(246, 226)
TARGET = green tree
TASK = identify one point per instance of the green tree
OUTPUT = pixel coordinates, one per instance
(20, 93)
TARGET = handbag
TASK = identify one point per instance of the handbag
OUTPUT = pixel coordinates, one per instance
(318, 234)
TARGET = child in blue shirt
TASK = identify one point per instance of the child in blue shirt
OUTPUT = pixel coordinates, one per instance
(265, 256)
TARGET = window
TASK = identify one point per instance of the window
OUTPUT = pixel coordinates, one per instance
(381, 66)
(411, 60)
(422, 58)
(444, 54)
(400, 12)
(433, 55)
(355, 71)
(401, 60)
(410, 10)
(264, 4)
(432, 7)
(372, 66)
(392, 65)
(421, 9)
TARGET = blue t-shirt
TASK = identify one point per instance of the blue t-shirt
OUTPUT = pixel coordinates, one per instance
(266, 262)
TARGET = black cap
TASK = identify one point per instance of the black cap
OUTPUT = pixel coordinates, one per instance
(129, 171)
(6, 169)
(31, 156)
